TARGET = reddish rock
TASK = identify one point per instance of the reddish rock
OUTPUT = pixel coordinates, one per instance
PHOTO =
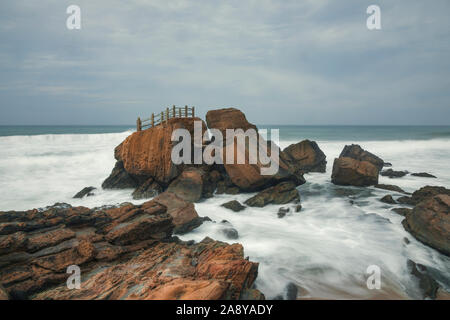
(422, 194)
(348, 171)
(183, 213)
(355, 151)
(429, 222)
(228, 118)
(307, 156)
(48, 239)
(207, 270)
(189, 185)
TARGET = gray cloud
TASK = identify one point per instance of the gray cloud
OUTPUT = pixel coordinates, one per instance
(282, 62)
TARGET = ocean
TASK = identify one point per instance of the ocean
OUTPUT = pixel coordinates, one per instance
(325, 249)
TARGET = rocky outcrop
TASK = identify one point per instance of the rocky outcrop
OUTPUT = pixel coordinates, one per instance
(307, 156)
(423, 175)
(429, 222)
(227, 118)
(166, 271)
(119, 178)
(124, 252)
(281, 193)
(388, 199)
(348, 171)
(355, 151)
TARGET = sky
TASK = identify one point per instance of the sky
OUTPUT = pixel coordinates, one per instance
(291, 62)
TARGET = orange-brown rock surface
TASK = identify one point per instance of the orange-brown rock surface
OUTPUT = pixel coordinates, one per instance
(165, 271)
(227, 118)
(123, 252)
(429, 222)
(348, 171)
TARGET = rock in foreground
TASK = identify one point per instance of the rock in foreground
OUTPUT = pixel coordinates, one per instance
(351, 172)
(429, 222)
(123, 252)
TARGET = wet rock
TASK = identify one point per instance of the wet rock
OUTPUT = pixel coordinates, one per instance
(291, 291)
(188, 185)
(406, 240)
(166, 271)
(282, 212)
(148, 189)
(298, 208)
(282, 193)
(119, 178)
(427, 284)
(393, 174)
(3, 294)
(402, 211)
(429, 222)
(423, 175)
(230, 233)
(355, 151)
(87, 191)
(390, 187)
(387, 164)
(234, 205)
(423, 194)
(185, 217)
(307, 156)
(388, 199)
(348, 171)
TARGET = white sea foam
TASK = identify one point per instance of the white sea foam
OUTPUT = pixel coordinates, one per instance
(325, 249)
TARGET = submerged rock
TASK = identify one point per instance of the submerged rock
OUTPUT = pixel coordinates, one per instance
(282, 212)
(307, 156)
(84, 192)
(429, 222)
(390, 187)
(423, 175)
(233, 205)
(230, 233)
(393, 174)
(427, 284)
(388, 199)
(282, 193)
(401, 211)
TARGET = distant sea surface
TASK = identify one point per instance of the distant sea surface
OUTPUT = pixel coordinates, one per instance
(324, 249)
(287, 132)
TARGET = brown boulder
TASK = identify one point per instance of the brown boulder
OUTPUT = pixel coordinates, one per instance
(355, 151)
(282, 193)
(188, 185)
(422, 194)
(307, 156)
(429, 222)
(348, 171)
(183, 213)
(227, 118)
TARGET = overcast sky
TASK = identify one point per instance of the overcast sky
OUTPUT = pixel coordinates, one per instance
(280, 61)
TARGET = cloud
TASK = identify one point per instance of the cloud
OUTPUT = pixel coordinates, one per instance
(282, 62)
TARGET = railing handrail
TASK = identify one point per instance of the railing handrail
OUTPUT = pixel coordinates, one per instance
(164, 116)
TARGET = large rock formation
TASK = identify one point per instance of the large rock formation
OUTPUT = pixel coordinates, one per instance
(307, 156)
(429, 222)
(422, 194)
(356, 167)
(124, 252)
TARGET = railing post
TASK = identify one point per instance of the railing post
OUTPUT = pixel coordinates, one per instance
(193, 111)
(162, 117)
(153, 119)
(167, 114)
(186, 111)
(138, 124)
(179, 112)
(173, 111)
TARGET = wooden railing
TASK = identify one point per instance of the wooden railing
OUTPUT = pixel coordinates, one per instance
(164, 116)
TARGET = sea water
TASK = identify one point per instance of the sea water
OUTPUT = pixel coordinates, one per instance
(325, 249)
